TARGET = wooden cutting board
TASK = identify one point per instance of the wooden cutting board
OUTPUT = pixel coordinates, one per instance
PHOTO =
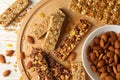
(33, 17)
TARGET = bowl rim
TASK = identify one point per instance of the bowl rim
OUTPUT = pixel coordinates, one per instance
(84, 44)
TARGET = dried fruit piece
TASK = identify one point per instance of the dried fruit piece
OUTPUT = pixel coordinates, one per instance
(2, 59)
(6, 73)
(30, 39)
(9, 52)
(29, 64)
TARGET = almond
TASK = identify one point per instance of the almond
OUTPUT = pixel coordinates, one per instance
(117, 51)
(104, 37)
(22, 55)
(96, 40)
(100, 57)
(117, 44)
(29, 64)
(101, 63)
(92, 56)
(2, 59)
(118, 67)
(93, 68)
(111, 60)
(109, 78)
(9, 52)
(109, 69)
(102, 44)
(6, 73)
(103, 75)
(118, 76)
(30, 39)
(116, 59)
(72, 56)
(67, 65)
(110, 54)
(96, 47)
(111, 48)
(103, 69)
(114, 70)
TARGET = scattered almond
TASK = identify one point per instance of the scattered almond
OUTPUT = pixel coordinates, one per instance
(29, 65)
(22, 55)
(72, 56)
(9, 52)
(30, 39)
(2, 59)
(6, 73)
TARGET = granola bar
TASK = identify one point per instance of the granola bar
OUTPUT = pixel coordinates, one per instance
(57, 70)
(107, 11)
(40, 64)
(55, 25)
(78, 72)
(16, 8)
(72, 40)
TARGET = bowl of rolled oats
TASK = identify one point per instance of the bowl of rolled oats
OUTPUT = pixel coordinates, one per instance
(101, 53)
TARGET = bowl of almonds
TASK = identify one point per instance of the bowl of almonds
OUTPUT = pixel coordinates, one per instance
(101, 53)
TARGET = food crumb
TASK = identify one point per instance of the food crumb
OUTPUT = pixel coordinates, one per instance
(42, 15)
(9, 45)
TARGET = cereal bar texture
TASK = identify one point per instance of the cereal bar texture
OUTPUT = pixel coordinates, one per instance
(78, 72)
(40, 64)
(57, 70)
(11, 13)
(72, 40)
(107, 11)
(55, 25)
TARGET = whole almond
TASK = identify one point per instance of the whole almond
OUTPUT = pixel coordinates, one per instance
(103, 75)
(22, 55)
(6, 73)
(117, 51)
(116, 59)
(110, 54)
(9, 52)
(72, 56)
(109, 78)
(96, 40)
(103, 69)
(111, 60)
(104, 37)
(68, 65)
(101, 63)
(92, 56)
(30, 39)
(2, 58)
(93, 68)
(102, 44)
(29, 64)
(118, 67)
(118, 76)
(111, 48)
(114, 70)
(117, 44)
(96, 47)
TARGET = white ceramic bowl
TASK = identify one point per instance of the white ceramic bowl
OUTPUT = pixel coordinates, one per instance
(89, 40)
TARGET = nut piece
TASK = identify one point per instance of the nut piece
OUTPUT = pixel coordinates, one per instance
(118, 67)
(118, 76)
(29, 64)
(30, 39)
(2, 59)
(109, 78)
(6, 73)
(101, 63)
(22, 55)
(9, 52)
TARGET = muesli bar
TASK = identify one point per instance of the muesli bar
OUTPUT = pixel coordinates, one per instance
(73, 39)
(106, 11)
(11, 13)
(78, 72)
(55, 25)
(40, 64)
